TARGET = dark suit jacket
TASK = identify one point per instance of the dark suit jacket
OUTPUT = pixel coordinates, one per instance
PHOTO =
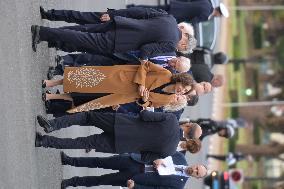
(154, 134)
(154, 34)
(201, 72)
(156, 181)
(194, 11)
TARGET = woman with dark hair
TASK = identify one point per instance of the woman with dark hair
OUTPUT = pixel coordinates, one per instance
(104, 86)
(192, 145)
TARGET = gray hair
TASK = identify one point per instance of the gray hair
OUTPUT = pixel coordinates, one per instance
(192, 43)
(185, 64)
(176, 106)
(187, 27)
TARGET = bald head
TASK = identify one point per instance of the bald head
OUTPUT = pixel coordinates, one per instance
(217, 81)
(191, 130)
(197, 171)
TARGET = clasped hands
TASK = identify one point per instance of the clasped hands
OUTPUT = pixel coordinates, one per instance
(143, 92)
(105, 17)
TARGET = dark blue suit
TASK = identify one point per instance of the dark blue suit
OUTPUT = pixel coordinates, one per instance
(153, 134)
(130, 166)
(193, 11)
(121, 35)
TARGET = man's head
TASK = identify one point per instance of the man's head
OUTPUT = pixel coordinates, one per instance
(180, 64)
(192, 99)
(219, 11)
(191, 130)
(227, 132)
(220, 58)
(187, 41)
(197, 171)
(179, 102)
(217, 80)
(192, 145)
(202, 88)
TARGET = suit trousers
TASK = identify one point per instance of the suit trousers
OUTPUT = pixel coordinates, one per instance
(71, 40)
(103, 142)
(124, 163)
(163, 7)
(92, 28)
(72, 16)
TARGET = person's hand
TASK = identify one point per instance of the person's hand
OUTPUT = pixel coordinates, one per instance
(130, 184)
(141, 90)
(158, 162)
(115, 107)
(105, 17)
(145, 95)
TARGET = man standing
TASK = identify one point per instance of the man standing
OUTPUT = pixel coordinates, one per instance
(193, 11)
(201, 72)
(133, 172)
(153, 134)
(158, 33)
(210, 127)
(203, 55)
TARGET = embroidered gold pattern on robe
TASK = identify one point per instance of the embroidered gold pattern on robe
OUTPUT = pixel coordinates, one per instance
(85, 77)
(87, 107)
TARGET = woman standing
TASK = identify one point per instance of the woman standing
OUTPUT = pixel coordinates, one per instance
(147, 84)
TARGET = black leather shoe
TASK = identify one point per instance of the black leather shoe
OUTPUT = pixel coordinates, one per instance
(68, 182)
(35, 36)
(58, 59)
(64, 158)
(88, 150)
(38, 140)
(42, 13)
(45, 124)
(64, 184)
(50, 72)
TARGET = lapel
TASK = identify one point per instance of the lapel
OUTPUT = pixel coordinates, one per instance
(161, 79)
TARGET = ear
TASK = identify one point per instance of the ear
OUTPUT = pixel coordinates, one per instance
(181, 27)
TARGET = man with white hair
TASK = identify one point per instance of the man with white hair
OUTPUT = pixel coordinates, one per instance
(151, 32)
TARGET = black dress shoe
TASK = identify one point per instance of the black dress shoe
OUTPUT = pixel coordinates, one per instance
(50, 72)
(42, 13)
(38, 140)
(58, 59)
(64, 158)
(35, 36)
(64, 184)
(68, 182)
(43, 84)
(45, 124)
(88, 150)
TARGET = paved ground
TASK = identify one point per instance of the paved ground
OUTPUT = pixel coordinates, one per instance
(22, 165)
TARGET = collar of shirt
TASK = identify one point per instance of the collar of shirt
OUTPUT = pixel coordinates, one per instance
(164, 58)
(181, 173)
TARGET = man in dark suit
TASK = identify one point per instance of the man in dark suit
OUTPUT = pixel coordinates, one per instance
(210, 127)
(193, 11)
(120, 35)
(133, 172)
(201, 72)
(153, 134)
(203, 55)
